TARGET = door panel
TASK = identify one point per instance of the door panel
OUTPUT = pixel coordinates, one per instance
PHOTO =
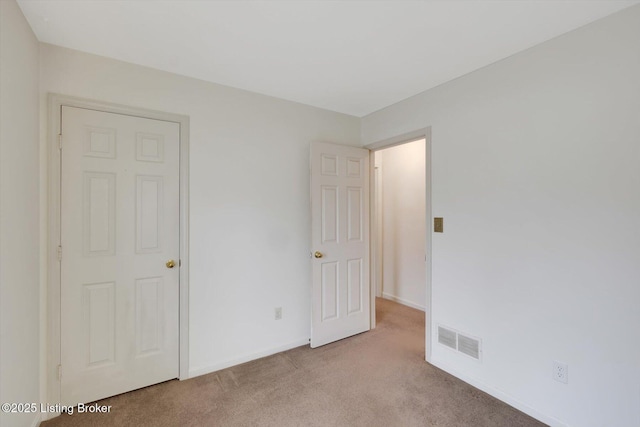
(119, 226)
(355, 285)
(340, 233)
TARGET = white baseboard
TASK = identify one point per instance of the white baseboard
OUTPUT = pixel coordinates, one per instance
(402, 301)
(500, 395)
(36, 421)
(196, 372)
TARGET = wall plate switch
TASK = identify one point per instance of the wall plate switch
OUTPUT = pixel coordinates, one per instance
(438, 225)
(560, 372)
(278, 313)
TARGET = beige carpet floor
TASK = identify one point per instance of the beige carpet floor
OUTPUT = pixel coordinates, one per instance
(378, 378)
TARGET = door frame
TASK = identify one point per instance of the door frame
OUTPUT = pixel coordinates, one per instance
(424, 133)
(53, 309)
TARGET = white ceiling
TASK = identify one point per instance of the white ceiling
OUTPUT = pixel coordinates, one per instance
(354, 57)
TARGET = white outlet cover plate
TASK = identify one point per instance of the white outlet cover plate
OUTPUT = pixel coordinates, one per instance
(560, 372)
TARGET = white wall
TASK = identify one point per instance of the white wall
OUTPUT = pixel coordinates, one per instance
(249, 198)
(536, 171)
(404, 224)
(19, 215)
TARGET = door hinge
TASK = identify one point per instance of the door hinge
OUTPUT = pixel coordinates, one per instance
(59, 253)
(59, 372)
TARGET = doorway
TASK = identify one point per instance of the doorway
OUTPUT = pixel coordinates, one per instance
(400, 209)
(401, 224)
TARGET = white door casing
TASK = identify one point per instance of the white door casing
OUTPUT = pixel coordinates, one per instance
(120, 224)
(376, 238)
(340, 242)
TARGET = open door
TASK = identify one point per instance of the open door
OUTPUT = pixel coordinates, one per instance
(340, 242)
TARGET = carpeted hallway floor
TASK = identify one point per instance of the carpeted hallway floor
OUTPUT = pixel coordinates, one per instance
(378, 378)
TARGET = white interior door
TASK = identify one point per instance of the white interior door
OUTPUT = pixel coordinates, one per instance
(340, 242)
(119, 229)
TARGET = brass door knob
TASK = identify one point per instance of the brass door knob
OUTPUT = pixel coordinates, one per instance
(171, 263)
(318, 254)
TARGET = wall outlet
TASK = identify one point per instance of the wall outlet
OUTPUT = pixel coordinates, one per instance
(278, 312)
(560, 372)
